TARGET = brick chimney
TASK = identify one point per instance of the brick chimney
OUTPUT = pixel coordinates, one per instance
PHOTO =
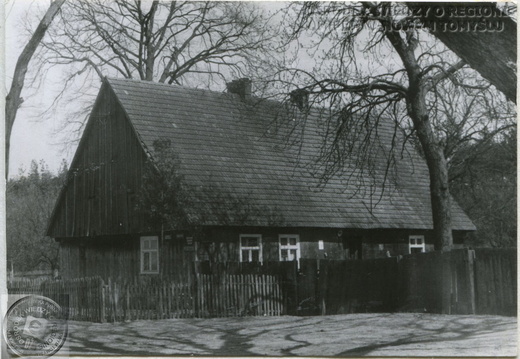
(241, 87)
(300, 98)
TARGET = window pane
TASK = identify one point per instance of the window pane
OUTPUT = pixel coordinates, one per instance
(416, 250)
(249, 241)
(146, 261)
(419, 240)
(153, 261)
(283, 253)
(245, 256)
(283, 241)
(255, 256)
(146, 244)
(153, 243)
(292, 241)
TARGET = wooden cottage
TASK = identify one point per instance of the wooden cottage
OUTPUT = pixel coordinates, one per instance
(261, 196)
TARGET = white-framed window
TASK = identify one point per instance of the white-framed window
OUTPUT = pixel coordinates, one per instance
(250, 248)
(150, 255)
(289, 248)
(417, 244)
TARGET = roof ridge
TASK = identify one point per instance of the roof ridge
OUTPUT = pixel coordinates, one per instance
(188, 88)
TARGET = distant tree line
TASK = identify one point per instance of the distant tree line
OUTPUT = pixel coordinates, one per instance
(30, 199)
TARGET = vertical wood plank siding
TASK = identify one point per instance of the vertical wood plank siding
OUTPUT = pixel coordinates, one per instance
(118, 257)
(105, 175)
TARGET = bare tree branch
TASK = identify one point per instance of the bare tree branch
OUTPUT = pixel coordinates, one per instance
(13, 99)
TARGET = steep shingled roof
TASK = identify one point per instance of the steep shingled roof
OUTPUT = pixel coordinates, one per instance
(232, 144)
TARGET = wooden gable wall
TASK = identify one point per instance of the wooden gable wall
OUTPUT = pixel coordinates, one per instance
(105, 175)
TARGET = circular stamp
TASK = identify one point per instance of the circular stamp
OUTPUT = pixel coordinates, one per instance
(35, 326)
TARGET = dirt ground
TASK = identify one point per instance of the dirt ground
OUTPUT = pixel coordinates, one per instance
(403, 334)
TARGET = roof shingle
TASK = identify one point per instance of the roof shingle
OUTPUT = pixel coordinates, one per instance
(232, 144)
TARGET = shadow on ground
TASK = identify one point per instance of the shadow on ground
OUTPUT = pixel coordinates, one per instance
(404, 334)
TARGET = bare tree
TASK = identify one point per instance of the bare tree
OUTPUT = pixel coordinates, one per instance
(195, 43)
(463, 116)
(406, 67)
(13, 100)
(157, 41)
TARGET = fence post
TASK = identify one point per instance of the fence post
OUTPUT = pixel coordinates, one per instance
(128, 311)
(194, 288)
(159, 297)
(102, 301)
(470, 268)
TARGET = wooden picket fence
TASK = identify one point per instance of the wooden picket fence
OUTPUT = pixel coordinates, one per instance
(238, 295)
(81, 298)
(24, 286)
(157, 300)
(91, 299)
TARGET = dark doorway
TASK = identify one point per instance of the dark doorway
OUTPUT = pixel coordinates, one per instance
(353, 246)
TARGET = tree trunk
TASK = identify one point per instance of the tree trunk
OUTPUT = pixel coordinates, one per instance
(150, 50)
(437, 166)
(439, 190)
(13, 99)
(433, 151)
